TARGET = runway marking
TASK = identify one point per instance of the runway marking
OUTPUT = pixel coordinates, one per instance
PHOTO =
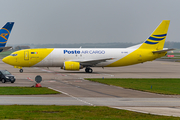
(51, 81)
(49, 71)
(60, 74)
(77, 80)
(45, 70)
(72, 96)
(107, 74)
(30, 79)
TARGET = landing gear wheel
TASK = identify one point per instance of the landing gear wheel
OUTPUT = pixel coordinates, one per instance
(3, 80)
(88, 70)
(21, 70)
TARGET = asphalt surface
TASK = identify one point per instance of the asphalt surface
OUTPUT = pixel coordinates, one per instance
(77, 91)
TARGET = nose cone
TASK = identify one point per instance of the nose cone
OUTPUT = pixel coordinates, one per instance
(6, 60)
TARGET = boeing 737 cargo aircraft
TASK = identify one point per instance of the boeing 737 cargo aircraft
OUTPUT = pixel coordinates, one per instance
(78, 58)
(4, 35)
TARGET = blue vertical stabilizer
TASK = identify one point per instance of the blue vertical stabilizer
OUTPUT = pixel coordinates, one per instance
(5, 32)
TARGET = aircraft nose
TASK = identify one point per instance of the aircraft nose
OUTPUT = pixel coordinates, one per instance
(6, 60)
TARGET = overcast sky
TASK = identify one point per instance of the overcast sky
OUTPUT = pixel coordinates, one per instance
(88, 21)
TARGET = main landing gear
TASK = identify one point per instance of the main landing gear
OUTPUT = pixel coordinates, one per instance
(88, 70)
(21, 70)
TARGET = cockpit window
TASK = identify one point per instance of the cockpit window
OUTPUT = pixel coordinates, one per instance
(13, 54)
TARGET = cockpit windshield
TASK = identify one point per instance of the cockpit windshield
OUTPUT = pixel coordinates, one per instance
(13, 54)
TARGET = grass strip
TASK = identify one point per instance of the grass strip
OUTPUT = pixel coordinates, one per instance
(31, 112)
(168, 86)
(26, 91)
(4, 54)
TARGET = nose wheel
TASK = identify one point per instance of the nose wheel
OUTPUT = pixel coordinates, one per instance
(21, 70)
(88, 70)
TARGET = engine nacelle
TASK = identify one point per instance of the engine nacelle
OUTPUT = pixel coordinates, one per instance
(69, 65)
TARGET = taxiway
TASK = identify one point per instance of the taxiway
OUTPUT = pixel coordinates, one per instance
(77, 91)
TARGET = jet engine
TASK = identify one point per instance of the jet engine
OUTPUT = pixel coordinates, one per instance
(69, 65)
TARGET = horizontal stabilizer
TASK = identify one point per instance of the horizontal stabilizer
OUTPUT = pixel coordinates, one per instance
(161, 51)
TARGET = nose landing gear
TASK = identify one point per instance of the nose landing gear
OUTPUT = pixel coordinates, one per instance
(88, 70)
(21, 70)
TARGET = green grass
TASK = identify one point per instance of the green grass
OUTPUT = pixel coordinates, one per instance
(4, 54)
(73, 113)
(26, 91)
(173, 53)
(161, 86)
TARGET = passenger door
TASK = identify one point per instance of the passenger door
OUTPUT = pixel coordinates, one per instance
(26, 55)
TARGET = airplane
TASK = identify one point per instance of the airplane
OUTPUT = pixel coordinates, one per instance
(78, 58)
(4, 35)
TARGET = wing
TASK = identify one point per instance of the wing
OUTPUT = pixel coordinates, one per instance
(92, 62)
(3, 49)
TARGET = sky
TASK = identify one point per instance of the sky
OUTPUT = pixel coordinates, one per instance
(88, 21)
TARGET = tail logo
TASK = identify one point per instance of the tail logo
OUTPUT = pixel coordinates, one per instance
(154, 39)
(4, 34)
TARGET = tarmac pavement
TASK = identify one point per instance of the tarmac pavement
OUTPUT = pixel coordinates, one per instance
(77, 91)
